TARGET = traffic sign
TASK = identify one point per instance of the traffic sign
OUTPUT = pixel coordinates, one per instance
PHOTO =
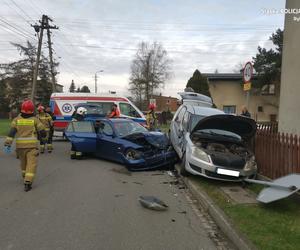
(247, 86)
(247, 72)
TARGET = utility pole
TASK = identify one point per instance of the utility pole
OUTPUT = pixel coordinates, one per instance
(96, 84)
(50, 52)
(44, 24)
(36, 67)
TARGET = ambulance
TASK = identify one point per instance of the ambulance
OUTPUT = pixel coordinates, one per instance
(64, 104)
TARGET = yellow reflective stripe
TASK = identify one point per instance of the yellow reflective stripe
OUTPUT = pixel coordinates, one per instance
(29, 174)
(23, 122)
(24, 142)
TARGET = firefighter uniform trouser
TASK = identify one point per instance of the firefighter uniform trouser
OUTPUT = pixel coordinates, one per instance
(47, 141)
(28, 158)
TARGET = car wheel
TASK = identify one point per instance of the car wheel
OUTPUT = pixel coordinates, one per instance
(183, 171)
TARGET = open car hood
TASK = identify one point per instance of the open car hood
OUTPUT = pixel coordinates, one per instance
(156, 139)
(243, 126)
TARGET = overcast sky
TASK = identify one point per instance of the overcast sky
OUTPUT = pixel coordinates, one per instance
(103, 35)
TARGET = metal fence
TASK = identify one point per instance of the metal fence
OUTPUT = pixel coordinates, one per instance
(277, 154)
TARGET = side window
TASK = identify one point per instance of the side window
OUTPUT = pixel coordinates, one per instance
(103, 108)
(105, 128)
(83, 127)
(128, 110)
(185, 121)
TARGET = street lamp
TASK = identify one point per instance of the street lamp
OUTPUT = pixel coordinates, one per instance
(99, 71)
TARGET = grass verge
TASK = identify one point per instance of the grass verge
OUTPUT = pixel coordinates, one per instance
(4, 126)
(272, 226)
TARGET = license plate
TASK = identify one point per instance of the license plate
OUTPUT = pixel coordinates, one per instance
(228, 172)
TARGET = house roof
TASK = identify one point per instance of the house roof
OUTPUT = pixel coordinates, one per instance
(225, 76)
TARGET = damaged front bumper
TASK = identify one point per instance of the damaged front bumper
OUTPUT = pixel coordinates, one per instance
(208, 169)
(162, 159)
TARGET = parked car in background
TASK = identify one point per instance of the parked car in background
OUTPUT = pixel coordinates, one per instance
(64, 104)
(123, 141)
(213, 144)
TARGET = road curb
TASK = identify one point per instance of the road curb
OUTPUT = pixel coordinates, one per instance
(222, 220)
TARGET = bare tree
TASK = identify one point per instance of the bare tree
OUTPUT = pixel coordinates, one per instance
(149, 70)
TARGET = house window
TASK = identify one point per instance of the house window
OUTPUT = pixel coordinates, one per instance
(229, 109)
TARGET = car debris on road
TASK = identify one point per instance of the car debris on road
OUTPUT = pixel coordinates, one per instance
(153, 203)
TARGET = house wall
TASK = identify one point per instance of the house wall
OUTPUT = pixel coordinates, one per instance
(230, 92)
(289, 121)
(165, 103)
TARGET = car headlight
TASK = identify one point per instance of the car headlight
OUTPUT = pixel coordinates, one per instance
(200, 154)
(132, 154)
(250, 164)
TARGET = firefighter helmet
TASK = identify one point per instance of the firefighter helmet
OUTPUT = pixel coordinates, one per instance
(41, 108)
(27, 107)
(152, 106)
(81, 111)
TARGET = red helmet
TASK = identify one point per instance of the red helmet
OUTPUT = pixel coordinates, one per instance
(41, 108)
(27, 107)
(152, 106)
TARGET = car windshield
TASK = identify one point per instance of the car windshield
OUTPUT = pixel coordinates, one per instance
(124, 128)
(195, 119)
(220, 133)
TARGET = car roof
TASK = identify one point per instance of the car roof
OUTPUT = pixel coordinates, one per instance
(205, 111)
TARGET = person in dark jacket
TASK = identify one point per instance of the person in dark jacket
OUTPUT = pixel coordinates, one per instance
(245, 112)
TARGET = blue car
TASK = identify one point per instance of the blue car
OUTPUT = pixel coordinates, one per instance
(123, 141)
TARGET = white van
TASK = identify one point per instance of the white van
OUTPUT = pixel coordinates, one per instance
(63, 105)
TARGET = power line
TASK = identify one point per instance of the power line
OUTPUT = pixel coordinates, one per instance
(17, 12)
(28, 35)
(21, 10)
(35, 8)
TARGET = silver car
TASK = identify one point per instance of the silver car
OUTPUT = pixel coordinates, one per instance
(213, 144)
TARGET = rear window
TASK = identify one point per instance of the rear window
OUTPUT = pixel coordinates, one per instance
(81, 127)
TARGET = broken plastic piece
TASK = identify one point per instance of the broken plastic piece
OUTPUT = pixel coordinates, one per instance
(170, 173)
(153, 203)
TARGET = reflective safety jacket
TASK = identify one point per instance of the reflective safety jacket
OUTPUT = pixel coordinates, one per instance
(46, 119)
(114, 113)
(151, 120)
(25, 129)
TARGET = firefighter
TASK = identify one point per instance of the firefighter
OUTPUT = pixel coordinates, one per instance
(51, 132)
(25, 128)
(78, 115)
(47, 121)
(151, 117)
(115, 112)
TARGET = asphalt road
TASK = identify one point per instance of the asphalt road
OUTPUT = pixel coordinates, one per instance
(93, 204)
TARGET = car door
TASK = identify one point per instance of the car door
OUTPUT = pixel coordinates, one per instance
(177, 135)
(108, 145)
(82, 135)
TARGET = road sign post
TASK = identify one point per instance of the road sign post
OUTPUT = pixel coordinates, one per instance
(247, 75)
